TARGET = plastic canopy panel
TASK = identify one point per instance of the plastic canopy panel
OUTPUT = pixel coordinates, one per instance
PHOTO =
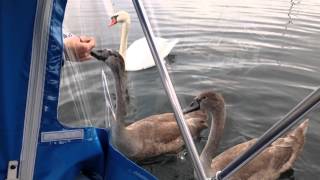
(231, 48)
(60, 152)
(93, 94)
(70, 153)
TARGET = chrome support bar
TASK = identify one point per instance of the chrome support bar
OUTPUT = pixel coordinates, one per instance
(277, 130)
(33, 112)
(166, 81)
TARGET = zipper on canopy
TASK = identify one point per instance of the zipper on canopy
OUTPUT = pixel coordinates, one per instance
(35, 89)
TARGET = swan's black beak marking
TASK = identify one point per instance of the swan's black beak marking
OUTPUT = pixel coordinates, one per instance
(113, 20)
(194, 106)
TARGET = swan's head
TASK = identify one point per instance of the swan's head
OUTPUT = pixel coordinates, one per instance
(120, 17)
(206, 101)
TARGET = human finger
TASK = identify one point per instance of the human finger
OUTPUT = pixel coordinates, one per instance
(87, 39)
(86, 57)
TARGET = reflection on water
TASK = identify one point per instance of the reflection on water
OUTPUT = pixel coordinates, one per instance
(263, 56)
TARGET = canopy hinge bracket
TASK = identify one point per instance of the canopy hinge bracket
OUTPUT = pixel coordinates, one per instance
(12, 170)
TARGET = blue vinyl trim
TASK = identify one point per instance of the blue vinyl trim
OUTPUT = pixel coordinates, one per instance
(16, 32)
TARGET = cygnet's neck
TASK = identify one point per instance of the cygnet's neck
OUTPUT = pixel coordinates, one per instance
(215, 134)
(120, 86)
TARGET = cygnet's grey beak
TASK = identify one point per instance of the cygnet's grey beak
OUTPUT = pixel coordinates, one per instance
(101, 55)
(194, 106)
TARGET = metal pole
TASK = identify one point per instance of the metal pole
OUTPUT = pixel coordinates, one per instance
(276, 131)
(146, 27)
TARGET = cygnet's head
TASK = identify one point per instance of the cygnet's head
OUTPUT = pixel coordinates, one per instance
(120, 17)
(206, 101)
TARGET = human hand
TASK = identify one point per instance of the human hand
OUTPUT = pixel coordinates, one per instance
(80, 47)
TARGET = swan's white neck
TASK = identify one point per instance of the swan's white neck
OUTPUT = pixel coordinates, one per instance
(216, 131)
(124, 37)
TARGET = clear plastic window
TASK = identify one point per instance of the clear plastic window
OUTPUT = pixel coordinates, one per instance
(261, 56)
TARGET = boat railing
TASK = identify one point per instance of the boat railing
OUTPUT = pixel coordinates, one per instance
(291, 119)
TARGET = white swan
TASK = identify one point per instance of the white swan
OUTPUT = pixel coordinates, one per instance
(138, 56)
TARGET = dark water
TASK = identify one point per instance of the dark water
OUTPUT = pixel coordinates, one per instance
(263, 56)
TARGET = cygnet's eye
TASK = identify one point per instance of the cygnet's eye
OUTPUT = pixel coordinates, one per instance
(204, 98)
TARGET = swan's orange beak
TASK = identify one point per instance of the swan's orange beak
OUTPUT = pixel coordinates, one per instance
(113, 21)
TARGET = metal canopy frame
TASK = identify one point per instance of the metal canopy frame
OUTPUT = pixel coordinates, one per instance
(35, 89)
(166, 81)
(278, 129)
